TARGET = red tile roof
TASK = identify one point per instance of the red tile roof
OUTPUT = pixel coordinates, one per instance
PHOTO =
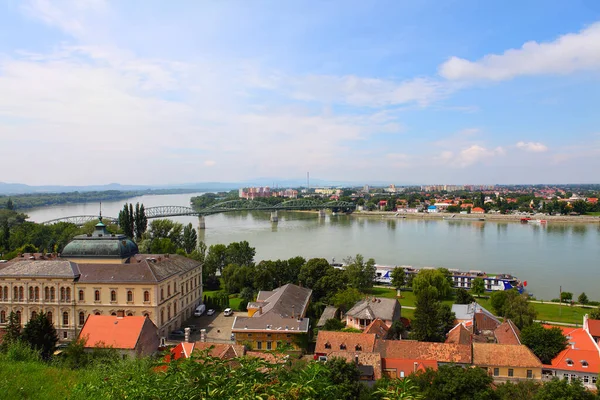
(459, 335)
(594, 327)
(407, 366)
(112, 331)
(330, 341)
(413, 350)
(378, 327)
(507, 333)
(581, 348)
(504, 355)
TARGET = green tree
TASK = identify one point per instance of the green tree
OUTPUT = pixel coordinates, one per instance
(190, 238)
(545, 343)
(140, 221)
(265, 275)
(522, 390)
(345, 376)
(333, 324)
(397, 389)
(361, 274)
(328, 285)
(595, 313)
(41, 335)
(478, 287)
(240, 253)
(435, 278)
(346, 298)
(426, 324)
(312, 271)
(126, 221)
(562, 389)
(463, 297)
(519, 309)
(498, 300)
(396, 331)
(398, 278)
(583, 299)
(446, 318)
(566, 297)
(12, 330)
(163, 246)
(454, 383)
(216, 259)
(9, 204)
(167, 229)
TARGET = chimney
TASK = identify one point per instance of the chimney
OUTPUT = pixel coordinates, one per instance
(416, 365)
(120, 313)
(187, 334)
(260, 310)
(293, 310)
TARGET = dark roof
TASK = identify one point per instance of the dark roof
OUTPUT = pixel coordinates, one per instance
(40, 268)
(376, 307)
(100, 244)
(328, 313)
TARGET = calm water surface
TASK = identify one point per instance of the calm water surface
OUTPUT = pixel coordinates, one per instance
(545, 256)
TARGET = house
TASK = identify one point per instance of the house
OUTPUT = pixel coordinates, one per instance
(276, 317)
(401, 358)
(459, 335)
(506, 362)
(581, 360)
(466, 206)
(477, 210)
(129, 335)
(592, 326)
(224, 351)
(379, 328)
(330, 312)
(475, 314)
(367, 310)
(507, 333)
(330, 341)
(432, 209)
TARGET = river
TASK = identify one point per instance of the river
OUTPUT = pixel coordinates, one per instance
(544, 256)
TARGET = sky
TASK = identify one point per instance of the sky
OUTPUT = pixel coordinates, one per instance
(406, 92)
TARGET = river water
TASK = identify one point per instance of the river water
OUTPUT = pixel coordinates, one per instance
(547, 257)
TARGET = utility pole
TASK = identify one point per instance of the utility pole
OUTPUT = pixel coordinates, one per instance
(560, 301)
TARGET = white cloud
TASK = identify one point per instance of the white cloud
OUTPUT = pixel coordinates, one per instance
(568, 53)
(468, 156)
(533, 147)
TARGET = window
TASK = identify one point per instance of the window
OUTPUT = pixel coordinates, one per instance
(5, 293)
(162, 294)
(2, 317)
(594, 379)
(18, 317)
(529, 374)
(81, 295)
(46, 293)
(327, 345)
(37, 293)
(62, 294)
(21, 295)
(130, 314)
(358, 347)
(68, 294)
(510, 372)
(129, 296)
(81, 318)
(52, 294)
(16, 293)
(97, 313)
(65, 335)
(174, 308)
(169, 312)
(114, 314)
(146, 296)
(586, 379)
(146, 315)
(258, 345)
(33, 314)
(169, 291)
(162, 317)
(49, 316)
(569, 362)
(584, 364)
(342, 346)
(96, 295)
(269, 345)
(113, 295)
(1, 292)
(496, 371)
(31, 294)
(65, 318)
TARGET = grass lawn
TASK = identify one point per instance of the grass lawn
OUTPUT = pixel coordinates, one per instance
(595, 213)
(234, 301)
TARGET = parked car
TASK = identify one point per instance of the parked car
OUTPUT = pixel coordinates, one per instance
(210, 312)
(193, 328)
(178, 332)
(228, 312)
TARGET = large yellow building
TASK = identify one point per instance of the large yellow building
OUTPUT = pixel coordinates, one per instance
(100, 274)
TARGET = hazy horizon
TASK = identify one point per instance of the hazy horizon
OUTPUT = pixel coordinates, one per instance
(155, 93)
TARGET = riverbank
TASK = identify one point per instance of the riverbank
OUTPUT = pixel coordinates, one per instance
(569, 219)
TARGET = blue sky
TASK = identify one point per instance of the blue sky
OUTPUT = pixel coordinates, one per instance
(155, 92)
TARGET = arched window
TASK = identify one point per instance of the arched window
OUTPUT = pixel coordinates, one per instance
(47, 293)
(1, 292)
(113, 295)
(16, 293)
(81, 295)
(62, 294)
(130, 314)
(168, 290)
(181, 288)
(65, 318)
(31, 293)
(96, 295)
(146, 315)
(49, 316)
(37, 293)
(18, 317)
(162, 294)
(129, 296)
(162, 317)
(5, 293)
(21, 295)
(146, 295)
(52, 294)
(81, 317)
(33, 315)
(168, 312)
(68, 294)
(2, 317)
(114, 314)
(174, 308)
(97, 313)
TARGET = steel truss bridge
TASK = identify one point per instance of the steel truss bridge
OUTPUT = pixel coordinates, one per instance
(226, 206)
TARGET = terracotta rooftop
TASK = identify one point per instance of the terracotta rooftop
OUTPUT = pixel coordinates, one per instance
(405, 367)
(459, 335)
(504, 355)
(581, 351)
(484, 321)
(594, 327)
(410, 349)
(112, 331)
(378, 327)
(507, 333)
(330, 341)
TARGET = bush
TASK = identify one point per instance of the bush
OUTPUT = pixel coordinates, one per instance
(21, 351)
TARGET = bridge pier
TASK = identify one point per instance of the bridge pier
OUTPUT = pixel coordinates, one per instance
(201, 222)
(322, 213)
(274, 216)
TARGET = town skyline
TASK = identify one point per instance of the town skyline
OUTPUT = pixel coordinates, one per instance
(422, 93)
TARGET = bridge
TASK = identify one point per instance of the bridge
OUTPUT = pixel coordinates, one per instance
(222, 207)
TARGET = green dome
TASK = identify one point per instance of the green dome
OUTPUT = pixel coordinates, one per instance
(100, 244)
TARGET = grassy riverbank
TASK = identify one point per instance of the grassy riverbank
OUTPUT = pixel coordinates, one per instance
(547, 312)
